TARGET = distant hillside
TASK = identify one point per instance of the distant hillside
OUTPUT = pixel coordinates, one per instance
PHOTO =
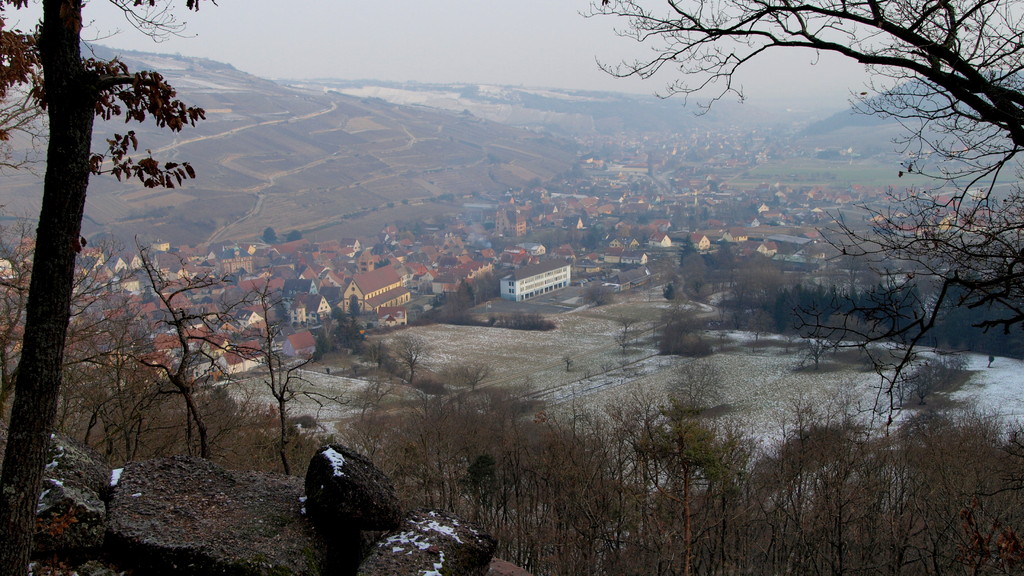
(572, 112)
(333, 158)
(292, 158)
(869, 134)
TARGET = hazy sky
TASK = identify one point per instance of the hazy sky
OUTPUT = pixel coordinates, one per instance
(541, 43)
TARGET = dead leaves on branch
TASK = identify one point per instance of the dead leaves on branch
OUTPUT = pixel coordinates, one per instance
(138, 97)
(115, 92)
(149, 171)
(19, 67)
(190, 4)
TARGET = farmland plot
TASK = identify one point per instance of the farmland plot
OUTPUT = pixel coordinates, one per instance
(761, 384)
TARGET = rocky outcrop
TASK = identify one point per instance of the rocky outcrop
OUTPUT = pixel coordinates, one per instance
(185, 515)
(69, 518)
(431, 542)
(72, 462)
(344, 486)
(71, 515)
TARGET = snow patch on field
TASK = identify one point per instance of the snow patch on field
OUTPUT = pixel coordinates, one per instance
(579, 364)
(995, 389)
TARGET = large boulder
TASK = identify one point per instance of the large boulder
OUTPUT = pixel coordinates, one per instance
(431, 542)
(69, 519)
(72, 462)
(343, 488)
(71, 515)
(185, 515)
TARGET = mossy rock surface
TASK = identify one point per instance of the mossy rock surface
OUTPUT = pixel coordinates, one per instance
(185, 515)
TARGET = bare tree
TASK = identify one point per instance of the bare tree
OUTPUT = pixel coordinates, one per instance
(409, 352)
(194, 343)
(469, 375)
(282, 376)
(114, 398)
(760, 322)
(695, 384)
(693, 271)
(814, 350)
(627, 333)
(597, 294)
(680, 332)
(934, 374)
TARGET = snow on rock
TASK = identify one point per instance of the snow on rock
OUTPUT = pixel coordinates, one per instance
(442, 528)
(69, 517)
(57, 452)
(71, 514)
(343, 488)
(431, 543)
(438, 566)
(336, 459)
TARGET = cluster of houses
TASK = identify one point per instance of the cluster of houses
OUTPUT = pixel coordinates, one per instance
(606, 223)
(311, 281)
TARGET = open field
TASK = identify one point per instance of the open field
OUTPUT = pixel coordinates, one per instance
(762, 383)
(801, 172)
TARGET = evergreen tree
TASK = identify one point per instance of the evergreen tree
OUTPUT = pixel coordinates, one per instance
(669, 292)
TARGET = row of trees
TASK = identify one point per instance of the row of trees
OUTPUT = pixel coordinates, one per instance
(649, 486)
(845, 301)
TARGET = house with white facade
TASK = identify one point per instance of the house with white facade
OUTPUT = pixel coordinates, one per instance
(536, 279)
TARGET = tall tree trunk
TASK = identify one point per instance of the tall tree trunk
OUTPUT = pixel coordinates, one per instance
(282, 420)
(70, 101)
(193, 415)
(6, 381)
(687, 525)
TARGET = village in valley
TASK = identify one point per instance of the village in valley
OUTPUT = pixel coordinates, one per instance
(613, 224)
(406, 289)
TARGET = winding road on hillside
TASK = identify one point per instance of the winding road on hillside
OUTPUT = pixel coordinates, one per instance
(269, 180)
(372, 185)
(233, 131)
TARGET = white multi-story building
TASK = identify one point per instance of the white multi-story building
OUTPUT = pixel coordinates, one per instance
(537, 279)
